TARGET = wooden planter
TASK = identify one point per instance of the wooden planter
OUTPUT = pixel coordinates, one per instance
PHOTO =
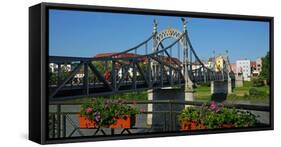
(122, 122)
(191, 125)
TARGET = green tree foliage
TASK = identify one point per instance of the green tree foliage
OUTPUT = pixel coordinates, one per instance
(257, 82)
(102, 65)
(53, 75)
(265, 73)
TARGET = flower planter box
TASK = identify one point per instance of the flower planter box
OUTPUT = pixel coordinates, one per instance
(191, 125)
(122, 122)
(227, 126)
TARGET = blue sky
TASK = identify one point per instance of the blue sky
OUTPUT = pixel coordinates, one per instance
(84, 34)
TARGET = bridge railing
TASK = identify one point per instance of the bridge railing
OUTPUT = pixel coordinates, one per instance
(63, 119)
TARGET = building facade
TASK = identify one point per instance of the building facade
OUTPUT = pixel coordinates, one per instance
(54, 67)
(233, 68)
(219, 63)
(259, 65)
(244, 67)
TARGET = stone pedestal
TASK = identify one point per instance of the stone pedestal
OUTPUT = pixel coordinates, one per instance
(221, 87)
(167, 121)
(188, 96)
(238, 81)
(229, 86)
(220, 90)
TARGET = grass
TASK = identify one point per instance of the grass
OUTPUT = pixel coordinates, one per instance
(201, 93)
(139, 95)
(239, 93)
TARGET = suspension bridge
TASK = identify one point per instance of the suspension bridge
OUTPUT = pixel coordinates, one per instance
(152, 65)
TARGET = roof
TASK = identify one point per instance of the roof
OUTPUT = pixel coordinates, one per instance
(119, 56)
(144, 59)
(253, 63)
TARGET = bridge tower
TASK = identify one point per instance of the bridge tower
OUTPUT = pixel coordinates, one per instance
(169, 93)
(154, 65)
(230, 74)
(188, 89)
(154, 71)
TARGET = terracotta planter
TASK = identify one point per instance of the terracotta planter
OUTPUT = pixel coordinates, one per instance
(227, 126)
(122, 122)
(86, 123)
(191, 125)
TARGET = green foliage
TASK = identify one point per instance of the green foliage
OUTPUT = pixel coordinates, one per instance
(239, 93)
(105, 112)
(138, 95)
(53, 75)
(231, 96)
(211, 120)
(207, 84)
(256, 92)
(213, 116)
(101, 66)
(189, 113)
(257, 82)
(247, 84)
(228, 116)
(265, 73)
(245, 119)
(246, 96)
(243, 93)
(52, 78)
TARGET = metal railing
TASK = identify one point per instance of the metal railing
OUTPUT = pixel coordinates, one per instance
(59, 119)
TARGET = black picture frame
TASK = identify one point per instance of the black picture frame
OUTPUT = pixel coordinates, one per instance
(38, 69)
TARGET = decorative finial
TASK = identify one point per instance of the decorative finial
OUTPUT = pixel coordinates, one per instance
(184, 23)
(155, 26)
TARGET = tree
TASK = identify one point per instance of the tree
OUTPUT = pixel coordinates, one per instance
(265, 73)
(52, 77)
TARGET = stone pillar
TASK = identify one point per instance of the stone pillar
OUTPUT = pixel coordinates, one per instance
(220, 89)
(165, 121)
(188, 96)
(238, 81)
(188, 89)
(149, 107)
(229, 86)
(212, 87)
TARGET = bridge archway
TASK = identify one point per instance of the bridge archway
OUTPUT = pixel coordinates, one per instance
(167, 34)
(162, 50)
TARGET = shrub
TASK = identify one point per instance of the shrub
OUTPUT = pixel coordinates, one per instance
(256, 92)
(231, 96)
(215, 115)
(247, 83)
(257, 82)
(189, 114)
(245, 119)
(211, 120)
